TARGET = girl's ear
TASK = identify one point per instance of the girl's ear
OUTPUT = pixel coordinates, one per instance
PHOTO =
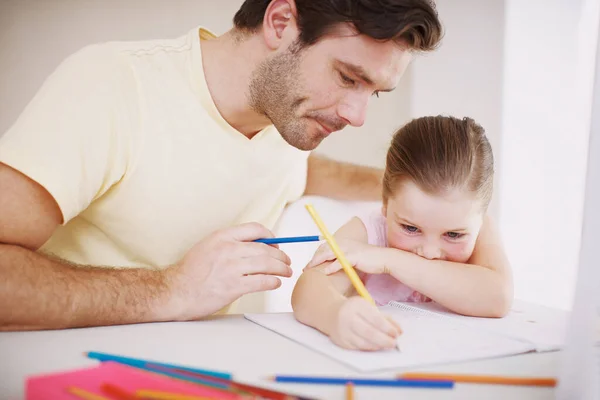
(384, 209)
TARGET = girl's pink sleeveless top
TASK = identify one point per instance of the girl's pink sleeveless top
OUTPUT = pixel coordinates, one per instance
(383, 287)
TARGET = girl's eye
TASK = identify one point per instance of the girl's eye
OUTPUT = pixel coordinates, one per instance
(455, 235)
(410, 228)
(347, 79)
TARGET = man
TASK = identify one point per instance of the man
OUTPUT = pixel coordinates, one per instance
(133, 185)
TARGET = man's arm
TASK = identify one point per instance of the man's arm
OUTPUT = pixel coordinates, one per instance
(38, 292)
(41, 293)
(341, 180)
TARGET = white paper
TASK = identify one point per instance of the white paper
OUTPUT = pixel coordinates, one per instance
(427, 339)
(544, 327)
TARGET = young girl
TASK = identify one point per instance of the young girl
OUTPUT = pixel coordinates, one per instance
(431, 241)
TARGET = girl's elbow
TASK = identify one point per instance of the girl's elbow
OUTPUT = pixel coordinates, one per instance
(298, 300)
(502, 303)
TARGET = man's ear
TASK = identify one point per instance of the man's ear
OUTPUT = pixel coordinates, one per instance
(280, 24)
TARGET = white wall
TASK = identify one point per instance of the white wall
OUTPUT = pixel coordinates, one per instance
(36, 35)
(544, 146)
(464, 76)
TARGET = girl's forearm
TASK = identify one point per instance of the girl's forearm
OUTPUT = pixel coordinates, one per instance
(316, 300)
(463, 288)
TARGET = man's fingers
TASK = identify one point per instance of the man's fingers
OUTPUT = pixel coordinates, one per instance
(247, 232)
(264, 266)
(248, 250)
(259, 283)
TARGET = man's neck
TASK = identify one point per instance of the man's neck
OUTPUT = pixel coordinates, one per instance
(228, 62)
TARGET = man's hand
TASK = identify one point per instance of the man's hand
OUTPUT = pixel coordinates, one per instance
(223, 267)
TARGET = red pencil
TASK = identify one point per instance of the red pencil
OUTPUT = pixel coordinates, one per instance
(117, 393)
(244, 388)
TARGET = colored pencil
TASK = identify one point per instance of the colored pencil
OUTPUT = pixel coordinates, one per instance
(155, 395)
(216, 380)
(117, 393)
(349, 391)
(204, 380)
(352, 275)
(485, 379)
(136, 362)
(244, 388)
(358, 285)
(411, 383)
(85, 395)
(291, 239)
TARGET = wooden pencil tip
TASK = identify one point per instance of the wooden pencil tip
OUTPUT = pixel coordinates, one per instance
(349, 391)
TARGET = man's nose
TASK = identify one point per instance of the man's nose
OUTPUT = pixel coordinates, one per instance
(353, 109)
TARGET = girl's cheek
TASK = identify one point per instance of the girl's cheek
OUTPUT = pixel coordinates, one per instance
(401, 241)
(459, 252)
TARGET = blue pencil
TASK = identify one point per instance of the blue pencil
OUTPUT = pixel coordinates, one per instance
(146, 364)
(293, 239)
(410, 383)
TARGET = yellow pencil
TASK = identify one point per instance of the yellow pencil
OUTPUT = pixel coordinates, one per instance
(85, 395)
(349, 391)
(154, 395)
(356, 282)
(352, 275)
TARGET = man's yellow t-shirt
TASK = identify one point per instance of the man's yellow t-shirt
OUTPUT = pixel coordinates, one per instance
(126, 138)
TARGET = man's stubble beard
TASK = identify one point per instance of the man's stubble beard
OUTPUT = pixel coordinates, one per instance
(274, 91)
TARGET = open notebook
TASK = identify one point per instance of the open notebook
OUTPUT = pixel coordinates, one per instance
(433, 335)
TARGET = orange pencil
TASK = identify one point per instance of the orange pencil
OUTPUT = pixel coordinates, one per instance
(117, 393)
(157, 395)
(85, 395)
(485, 379)
(349, 391)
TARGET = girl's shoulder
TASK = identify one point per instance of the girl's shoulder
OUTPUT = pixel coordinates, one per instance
(375, 225)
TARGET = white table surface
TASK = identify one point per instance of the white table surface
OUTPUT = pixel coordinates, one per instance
(234, 344)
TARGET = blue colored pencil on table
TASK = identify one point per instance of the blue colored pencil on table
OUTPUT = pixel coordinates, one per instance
(409, 383)
(147, 364)
(291, 239)
(217, 379)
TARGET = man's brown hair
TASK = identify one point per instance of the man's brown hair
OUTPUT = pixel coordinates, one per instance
(438, 154)
(413, 23)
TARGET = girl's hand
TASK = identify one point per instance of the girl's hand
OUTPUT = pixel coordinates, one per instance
(361, 326)
(364, 257)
